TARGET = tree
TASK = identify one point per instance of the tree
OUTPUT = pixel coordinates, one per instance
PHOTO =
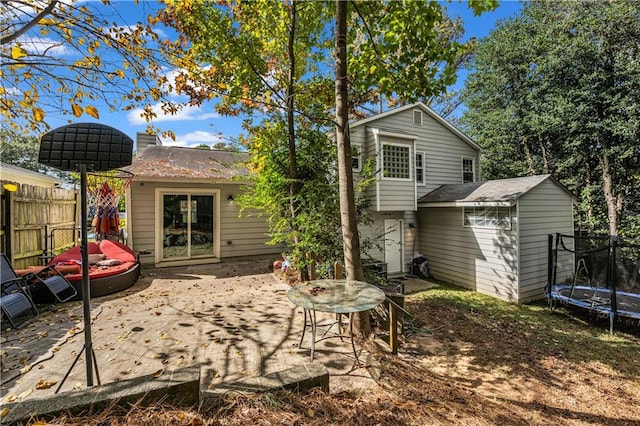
(557, 89)
(60, 58)
(22, 151)
(268, 58)
(394, 53)
(261, 58)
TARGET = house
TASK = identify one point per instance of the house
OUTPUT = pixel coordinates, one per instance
(486, 236)
(185, 214)
(414, 151)
(18, 175)
(426, 198)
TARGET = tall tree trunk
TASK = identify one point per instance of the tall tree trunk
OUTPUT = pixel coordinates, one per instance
(590, 219)
(350, 238)
(529, 156)
(293, 165)
(614, 202)
(545, 156)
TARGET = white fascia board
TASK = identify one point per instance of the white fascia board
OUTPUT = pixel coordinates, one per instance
(469, 204)
(379, 132)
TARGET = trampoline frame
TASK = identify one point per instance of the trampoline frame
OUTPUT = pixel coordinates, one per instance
(607, 301)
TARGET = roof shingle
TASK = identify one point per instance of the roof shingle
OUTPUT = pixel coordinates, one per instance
(177, 162)
(502, 190)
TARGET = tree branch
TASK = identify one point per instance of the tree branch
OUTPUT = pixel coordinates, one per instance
(47, 10)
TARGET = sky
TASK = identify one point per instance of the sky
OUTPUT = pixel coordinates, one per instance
(202, 125)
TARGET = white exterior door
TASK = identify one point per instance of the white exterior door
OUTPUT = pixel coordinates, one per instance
(393, 245)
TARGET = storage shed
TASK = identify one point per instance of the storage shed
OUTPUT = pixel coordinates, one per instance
(491, 236)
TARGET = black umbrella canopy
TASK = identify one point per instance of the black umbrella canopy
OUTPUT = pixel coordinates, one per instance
(97, 146)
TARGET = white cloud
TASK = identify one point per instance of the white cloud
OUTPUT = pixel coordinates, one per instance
(194, 139)
(44, 45)
(188, 113)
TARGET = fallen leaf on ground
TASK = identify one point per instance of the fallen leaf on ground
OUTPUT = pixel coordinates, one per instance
(4, 412)
(44, 384)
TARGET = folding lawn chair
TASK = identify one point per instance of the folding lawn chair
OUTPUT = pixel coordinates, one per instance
(16, 304)
(57, 284)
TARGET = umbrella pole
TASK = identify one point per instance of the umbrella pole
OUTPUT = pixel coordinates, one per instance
(90, 355)
(86, 296)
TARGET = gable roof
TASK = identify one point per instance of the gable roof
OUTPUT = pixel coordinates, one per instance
(501, 192)
(167, 162)
(426, 110)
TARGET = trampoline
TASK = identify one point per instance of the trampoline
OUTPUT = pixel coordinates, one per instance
(597, 274)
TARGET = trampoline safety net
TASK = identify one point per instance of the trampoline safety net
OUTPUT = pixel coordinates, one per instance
(601, 274)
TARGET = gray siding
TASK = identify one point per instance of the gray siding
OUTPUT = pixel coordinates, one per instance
(544, 210)
(246, 235)
(479, 259)
(372, 235)
(443, 151)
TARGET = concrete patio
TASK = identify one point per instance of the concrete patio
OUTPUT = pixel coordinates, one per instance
(234, 320)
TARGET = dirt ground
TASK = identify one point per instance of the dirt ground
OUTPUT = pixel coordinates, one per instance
(510, 367)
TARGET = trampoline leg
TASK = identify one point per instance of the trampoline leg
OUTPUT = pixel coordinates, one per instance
(611, 315)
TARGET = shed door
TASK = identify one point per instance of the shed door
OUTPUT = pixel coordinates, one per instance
(393, 245)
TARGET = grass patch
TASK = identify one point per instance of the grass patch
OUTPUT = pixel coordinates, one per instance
(569, 333)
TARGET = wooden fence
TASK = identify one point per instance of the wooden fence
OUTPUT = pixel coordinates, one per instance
(37, 222)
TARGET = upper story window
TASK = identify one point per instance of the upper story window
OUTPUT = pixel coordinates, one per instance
(487, 217)
(417, 117)
(420, 168)
(356, 157)
(396, 162)
(468, 170)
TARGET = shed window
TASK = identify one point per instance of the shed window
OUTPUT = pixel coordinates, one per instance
(396, 162)
(488, 217)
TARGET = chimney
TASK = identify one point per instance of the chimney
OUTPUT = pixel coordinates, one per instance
(143, 140)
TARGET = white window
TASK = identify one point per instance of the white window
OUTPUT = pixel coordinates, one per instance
(356, 157)
(417, 117)
(396, 162)
(420, 168)
(468, 170)
(487, 217)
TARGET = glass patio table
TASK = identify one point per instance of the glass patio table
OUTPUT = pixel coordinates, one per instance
(334, 296)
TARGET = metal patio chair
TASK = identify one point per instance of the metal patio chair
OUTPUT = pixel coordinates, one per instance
(49, 278)
(16, 303)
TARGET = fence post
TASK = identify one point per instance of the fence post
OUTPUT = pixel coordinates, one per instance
(9, 224)
(393, 328)
(338, 271)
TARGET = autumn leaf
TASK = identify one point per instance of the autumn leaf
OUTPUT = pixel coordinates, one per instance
(92, 111)
(4, 412)
(77, 110)
(38, 114)
(18, 52)
(43, 384)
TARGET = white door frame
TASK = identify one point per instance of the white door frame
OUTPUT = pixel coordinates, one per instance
(159, 229)
(394, 245)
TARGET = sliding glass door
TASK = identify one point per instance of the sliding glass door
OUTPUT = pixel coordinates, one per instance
(188, 226)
